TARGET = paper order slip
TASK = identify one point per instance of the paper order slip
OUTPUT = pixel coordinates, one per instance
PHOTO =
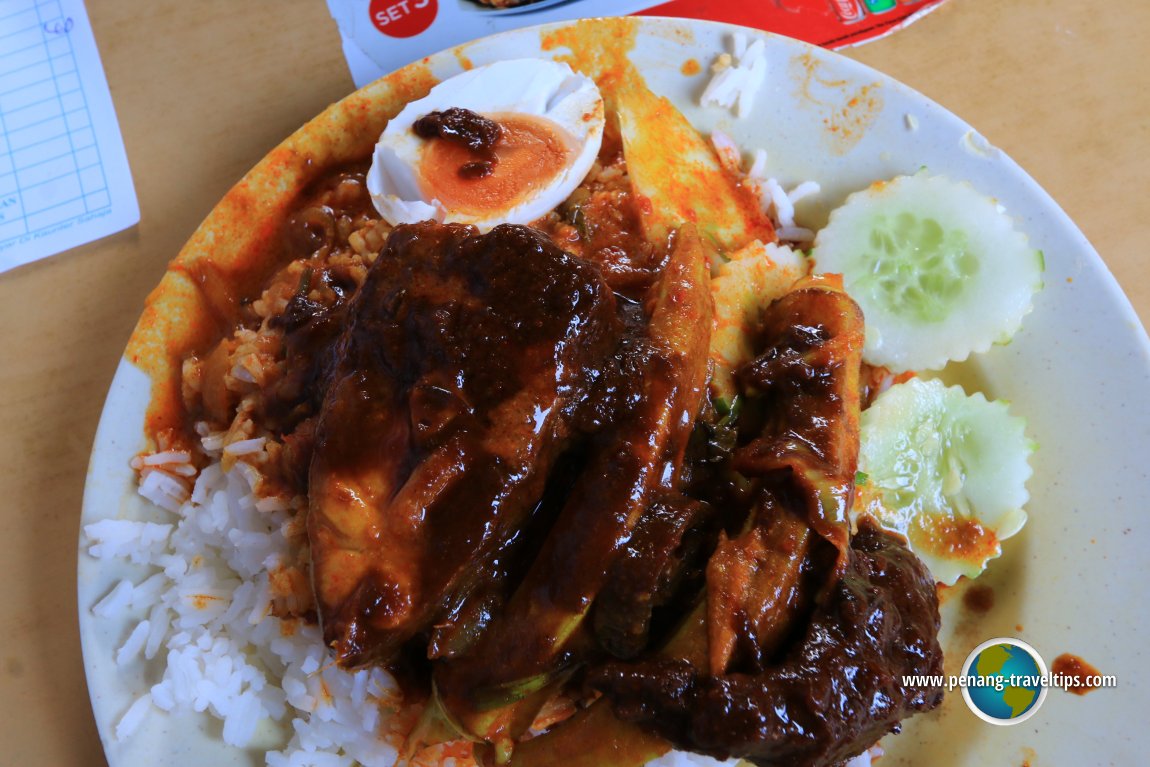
(64, 177)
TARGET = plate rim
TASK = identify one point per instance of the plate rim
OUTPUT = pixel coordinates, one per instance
(1114, 296)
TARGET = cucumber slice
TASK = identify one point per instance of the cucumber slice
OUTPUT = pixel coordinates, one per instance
(945, 470)
(938, 269)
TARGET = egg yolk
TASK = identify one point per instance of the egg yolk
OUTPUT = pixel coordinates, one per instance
(530, 154)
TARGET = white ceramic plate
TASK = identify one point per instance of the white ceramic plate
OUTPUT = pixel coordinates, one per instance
(1071, 581)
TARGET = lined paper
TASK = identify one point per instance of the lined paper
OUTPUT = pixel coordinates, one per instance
(64, 177)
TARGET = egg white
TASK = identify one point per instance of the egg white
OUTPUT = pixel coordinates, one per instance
(538, 88)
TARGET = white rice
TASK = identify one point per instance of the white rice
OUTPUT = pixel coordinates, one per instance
(205, 610)
(163, 488)
(134, 717)
(245, 446)
(775, 201)
(167, 457)
(738, 76)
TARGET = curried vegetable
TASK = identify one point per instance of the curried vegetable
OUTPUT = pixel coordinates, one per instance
(675, 173)
(809, 374)
(743, 287)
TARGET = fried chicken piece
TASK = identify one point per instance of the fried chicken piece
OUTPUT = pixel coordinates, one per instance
(453, 393)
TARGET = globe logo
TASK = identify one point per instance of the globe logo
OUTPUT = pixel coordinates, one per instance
(1004, 681)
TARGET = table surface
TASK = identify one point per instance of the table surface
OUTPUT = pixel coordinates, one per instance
(204, 89)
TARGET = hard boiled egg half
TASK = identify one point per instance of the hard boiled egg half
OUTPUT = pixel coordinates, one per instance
(551, 126)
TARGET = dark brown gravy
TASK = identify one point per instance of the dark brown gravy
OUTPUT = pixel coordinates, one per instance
(978, 599)
(1073, 667)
